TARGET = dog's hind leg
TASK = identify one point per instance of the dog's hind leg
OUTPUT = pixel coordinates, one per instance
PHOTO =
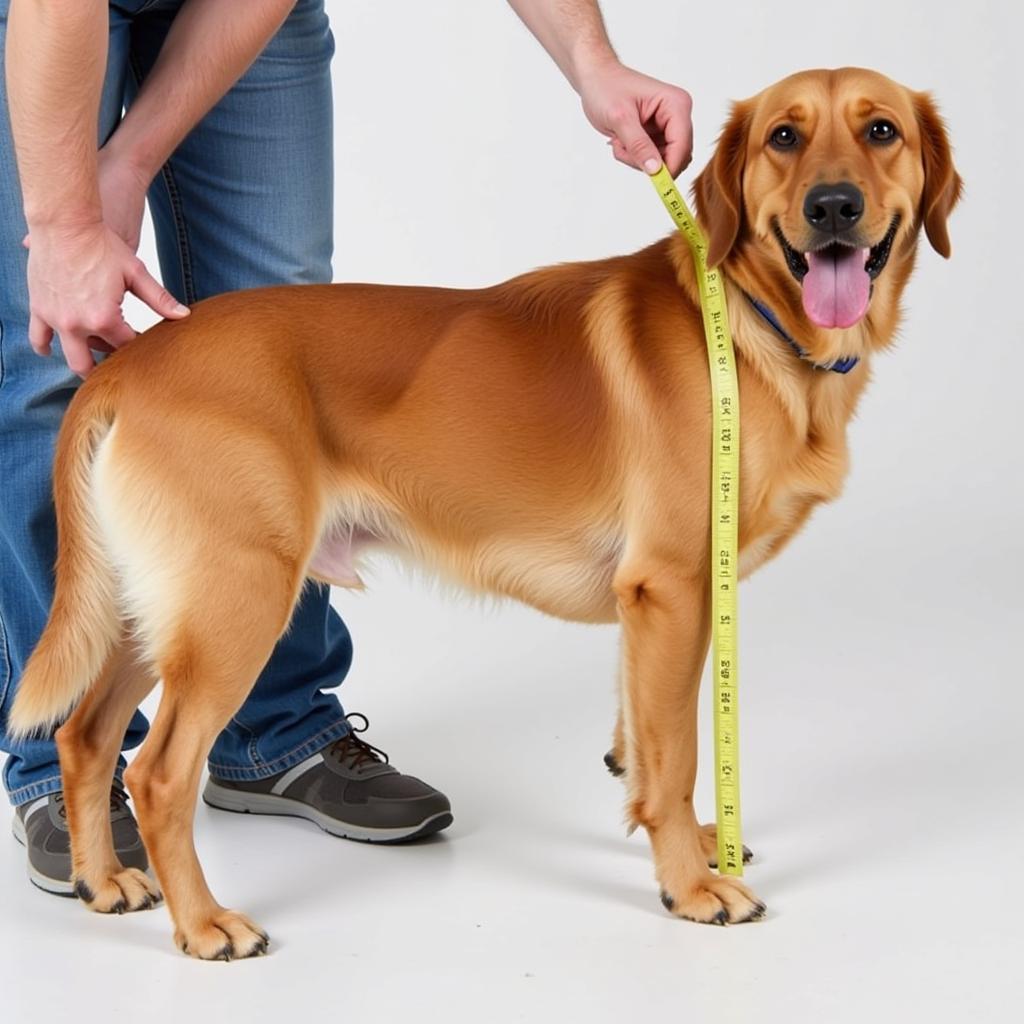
(615, 759)
(88, 745)
(666, 632)
(208, 663)
(709, 844)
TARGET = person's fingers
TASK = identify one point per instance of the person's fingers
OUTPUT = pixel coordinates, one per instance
(40, 335)
(656, 135)
(75, 346)
(678, 154)
(625, 157)
(143, 285)
(27, 241)
(673, 118)
(115, 333)
(631, 139)
(99, 345)
(620, 154)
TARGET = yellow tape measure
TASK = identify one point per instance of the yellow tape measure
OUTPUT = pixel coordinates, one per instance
(725, 496)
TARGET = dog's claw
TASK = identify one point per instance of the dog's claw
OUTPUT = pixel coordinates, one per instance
(716, 899)
(227, 935)
(83, 892)
(757, 913)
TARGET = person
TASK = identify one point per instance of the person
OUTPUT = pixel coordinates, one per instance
(223, 123)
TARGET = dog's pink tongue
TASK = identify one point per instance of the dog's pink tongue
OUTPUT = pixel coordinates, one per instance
(836, 286)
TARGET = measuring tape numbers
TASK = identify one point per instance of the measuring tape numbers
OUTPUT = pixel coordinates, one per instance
(725, 479)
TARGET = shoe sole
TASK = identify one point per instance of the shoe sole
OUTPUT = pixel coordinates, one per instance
(283, 807)
(54, 886)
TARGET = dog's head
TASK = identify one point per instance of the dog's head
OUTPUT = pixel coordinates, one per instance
(818, 189)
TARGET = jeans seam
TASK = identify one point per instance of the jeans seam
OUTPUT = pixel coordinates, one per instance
(279, 764)
(5, 653)
(3, 365)
(177, 209)
(181, 231)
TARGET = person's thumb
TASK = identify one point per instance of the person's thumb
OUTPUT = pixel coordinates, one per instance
(154, 295)
(636, 144)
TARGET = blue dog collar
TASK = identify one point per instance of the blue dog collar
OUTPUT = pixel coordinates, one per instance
(844, 365)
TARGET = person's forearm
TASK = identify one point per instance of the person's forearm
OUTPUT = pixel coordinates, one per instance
(572, 32)
(56, 59)
(646, 122)
(208, 48)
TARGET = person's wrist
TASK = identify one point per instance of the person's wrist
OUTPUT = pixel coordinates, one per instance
(129, 163)
(67, 227)
(62, 218)
(590, 62)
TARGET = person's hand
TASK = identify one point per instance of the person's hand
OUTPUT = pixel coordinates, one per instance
(647, 122)
(77, 279)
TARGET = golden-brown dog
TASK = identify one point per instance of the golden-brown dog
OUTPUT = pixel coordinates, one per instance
(545, 439)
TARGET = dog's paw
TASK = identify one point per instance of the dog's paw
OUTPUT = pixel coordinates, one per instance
(120, 893)
(227, 935)
(715, 899)
(709, 844)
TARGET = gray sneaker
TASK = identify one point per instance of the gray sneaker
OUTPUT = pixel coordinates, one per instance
(349, 790)
(41, 826)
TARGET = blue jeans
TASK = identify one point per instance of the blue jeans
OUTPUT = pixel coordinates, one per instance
(246, 200)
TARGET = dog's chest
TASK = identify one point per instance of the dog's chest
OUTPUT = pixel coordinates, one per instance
(783, 498)
(778, 521)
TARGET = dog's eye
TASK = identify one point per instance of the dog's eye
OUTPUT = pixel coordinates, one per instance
(784, 137)
(882, 131)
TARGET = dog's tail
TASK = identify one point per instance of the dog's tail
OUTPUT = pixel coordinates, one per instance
(84, 619)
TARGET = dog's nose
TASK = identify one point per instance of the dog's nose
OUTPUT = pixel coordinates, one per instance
(834, 208)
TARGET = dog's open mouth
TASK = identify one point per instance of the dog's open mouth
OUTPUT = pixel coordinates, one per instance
(836, 279)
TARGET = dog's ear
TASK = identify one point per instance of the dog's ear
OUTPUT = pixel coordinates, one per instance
(942, 184)
(718, 190)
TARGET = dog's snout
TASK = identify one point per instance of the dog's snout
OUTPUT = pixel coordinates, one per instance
(834, 208)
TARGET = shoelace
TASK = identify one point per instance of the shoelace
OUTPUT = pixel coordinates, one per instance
(118, 801)
(354, 752)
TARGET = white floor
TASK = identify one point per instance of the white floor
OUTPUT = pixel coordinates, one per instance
(882, 796)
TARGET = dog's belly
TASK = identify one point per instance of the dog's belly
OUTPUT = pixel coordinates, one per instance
(334, 557)
(567, 576)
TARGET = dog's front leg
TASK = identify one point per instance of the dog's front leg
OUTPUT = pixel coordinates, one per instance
(665, 621)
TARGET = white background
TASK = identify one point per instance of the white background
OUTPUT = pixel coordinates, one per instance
(882, 684)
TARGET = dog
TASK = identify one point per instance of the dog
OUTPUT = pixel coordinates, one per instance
(546, 439)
